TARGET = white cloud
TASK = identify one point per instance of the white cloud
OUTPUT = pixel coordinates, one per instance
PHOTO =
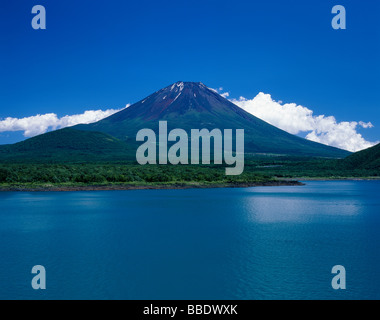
(366, 125)
(223, 94)
(297, 119)
(34, 125)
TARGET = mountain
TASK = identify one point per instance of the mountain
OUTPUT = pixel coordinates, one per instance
(190, 105)
(365, 159)
(185, 105)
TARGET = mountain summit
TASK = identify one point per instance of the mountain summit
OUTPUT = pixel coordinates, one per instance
(177, 100)
(185, 105)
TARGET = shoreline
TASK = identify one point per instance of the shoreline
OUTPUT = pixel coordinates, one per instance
(298, 181)
(116, 187)
(334, 179)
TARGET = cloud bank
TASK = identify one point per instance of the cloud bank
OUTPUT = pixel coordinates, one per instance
(297, 119)
(35, 125)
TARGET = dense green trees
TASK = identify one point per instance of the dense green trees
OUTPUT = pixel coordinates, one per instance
(115, 173)
(256, 170)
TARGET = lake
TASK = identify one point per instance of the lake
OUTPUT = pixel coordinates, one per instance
(237, 243)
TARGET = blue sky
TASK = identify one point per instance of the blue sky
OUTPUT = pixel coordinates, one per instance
(105, 54)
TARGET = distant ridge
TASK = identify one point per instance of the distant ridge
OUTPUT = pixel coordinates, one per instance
(67, 145)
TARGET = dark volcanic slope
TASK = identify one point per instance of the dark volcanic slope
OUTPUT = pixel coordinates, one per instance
(190, 105)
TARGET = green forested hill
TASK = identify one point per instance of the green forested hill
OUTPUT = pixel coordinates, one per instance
(67, 145)
(365, 159)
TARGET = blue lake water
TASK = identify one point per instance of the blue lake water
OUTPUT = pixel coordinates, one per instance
(243, 243)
